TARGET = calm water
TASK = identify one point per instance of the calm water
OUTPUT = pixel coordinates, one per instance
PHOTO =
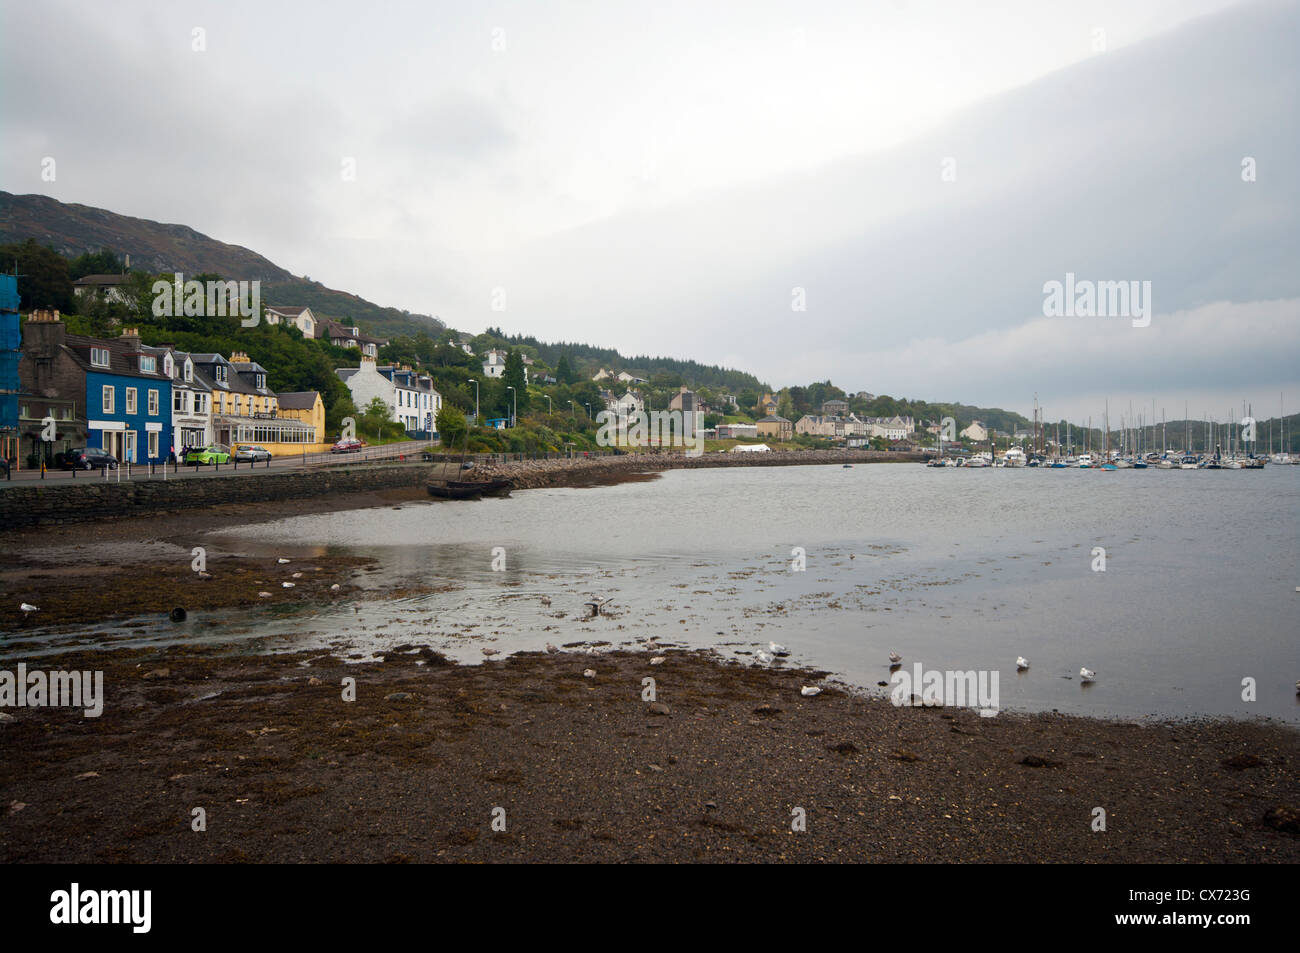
(954, 569)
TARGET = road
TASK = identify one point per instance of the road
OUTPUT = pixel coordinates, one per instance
(389, 451)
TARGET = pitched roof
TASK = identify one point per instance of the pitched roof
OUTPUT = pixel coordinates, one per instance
(299, 400)
(123, 356)
(97, 280)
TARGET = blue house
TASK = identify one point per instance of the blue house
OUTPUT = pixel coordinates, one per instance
(124, 395)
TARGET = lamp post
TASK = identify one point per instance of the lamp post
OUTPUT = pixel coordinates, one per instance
(588, 406)
(573, 411)
(548, 405)
(475, 383)
(514, 397)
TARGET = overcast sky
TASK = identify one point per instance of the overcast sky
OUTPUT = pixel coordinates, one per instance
(663, 178)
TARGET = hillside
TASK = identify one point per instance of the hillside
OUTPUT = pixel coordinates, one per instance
(71, 229)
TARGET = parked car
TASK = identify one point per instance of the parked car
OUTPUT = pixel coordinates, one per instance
(88, 458)
(207, 455)
(251, 453)
(349, 445)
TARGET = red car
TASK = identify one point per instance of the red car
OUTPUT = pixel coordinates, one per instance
(348, 446)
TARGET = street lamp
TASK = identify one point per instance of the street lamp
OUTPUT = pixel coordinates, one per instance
(573, 411)
(514, 397)
(475, 383)
(548, 405)
(588, 406)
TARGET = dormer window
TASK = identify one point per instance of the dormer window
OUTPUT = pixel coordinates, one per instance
(261, 381)
(220, 372)
(189, 371)
(99, 357)
(169, 366)
(148, 365)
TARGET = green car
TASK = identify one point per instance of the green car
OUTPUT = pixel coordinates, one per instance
(206, 455)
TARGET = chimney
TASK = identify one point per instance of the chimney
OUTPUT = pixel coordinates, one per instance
(43, 338)
(131, 338)
(239, 357)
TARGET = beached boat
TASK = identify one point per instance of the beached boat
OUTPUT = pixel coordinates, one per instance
(455, 490)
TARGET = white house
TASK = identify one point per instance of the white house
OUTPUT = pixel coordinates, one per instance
(415, 400)
(494, 364)
(297, 315)
(191, 398)
(976, 432)
(366, 383)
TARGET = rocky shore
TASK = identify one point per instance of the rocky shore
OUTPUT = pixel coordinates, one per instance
(207, 757)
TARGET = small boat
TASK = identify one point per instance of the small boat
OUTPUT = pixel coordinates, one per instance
(1109, 466)
(1085, 461)
(455, 490)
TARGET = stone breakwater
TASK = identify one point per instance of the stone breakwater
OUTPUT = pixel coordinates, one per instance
(580, 471)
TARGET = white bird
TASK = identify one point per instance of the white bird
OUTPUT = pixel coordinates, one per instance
(287, 585)
(551, 648)
(334, 588)
(589, 673)
(764, 657)
(809, 692)
(28, 607)
(297, 575)
(657, 660)
(1022, 663)
(490, 652)
(1087, 674)
(895, 658)
(264, 595)
(778, 650)
(282, 560)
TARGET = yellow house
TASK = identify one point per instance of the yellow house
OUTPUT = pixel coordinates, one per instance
(777, 427)
(307, 407)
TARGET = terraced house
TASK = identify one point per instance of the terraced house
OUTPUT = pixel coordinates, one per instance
(246, 410)
(118, 388)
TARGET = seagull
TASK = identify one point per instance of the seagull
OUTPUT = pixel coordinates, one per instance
(546, 600)
(1022, 663)
(28, 607)
(264, 595)
(589, 673)
(287, 585)
(490, 652)
(895, 658)
(334, 588)
(551, 648)
(764, 657)
(809, 692)
(778, 650)
(297, 575)
(1087, 674)
(282, 560)
(657, 660)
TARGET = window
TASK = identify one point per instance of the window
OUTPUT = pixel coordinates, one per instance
(148, 365)
(153, 402)
(108, 398)
(130, 400)
(99, 356)
(178, 401)
(189, 371)
(220, 370)
(153, 444)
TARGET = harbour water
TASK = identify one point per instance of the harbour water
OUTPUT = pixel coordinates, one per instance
(953, 569)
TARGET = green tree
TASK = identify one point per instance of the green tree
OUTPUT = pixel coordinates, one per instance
(564, 372)
(451, 425)
(514, 377)
(43, 280)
